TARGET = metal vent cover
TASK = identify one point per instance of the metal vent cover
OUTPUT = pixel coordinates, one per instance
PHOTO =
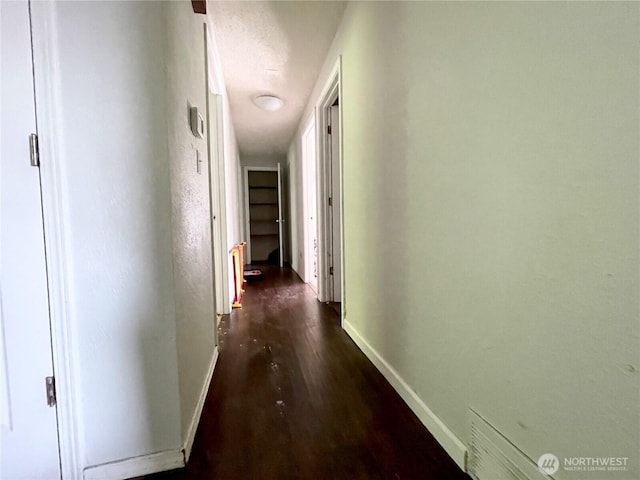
(493, 457)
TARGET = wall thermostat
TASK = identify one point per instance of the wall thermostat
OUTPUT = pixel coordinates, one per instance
(197, 122)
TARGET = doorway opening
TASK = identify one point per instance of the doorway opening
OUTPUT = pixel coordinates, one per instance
(263, 214)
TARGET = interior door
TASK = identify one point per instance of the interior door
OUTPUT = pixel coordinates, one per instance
(29, 437)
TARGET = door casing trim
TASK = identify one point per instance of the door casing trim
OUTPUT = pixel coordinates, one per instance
(309, 190)
(331, 91)
(54, 205)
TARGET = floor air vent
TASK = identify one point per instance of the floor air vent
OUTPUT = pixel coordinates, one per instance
(493, 457)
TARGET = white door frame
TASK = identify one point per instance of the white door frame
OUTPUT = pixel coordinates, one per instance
(310, 201)
(218, 186)
(247, 223)
(331, 91)
(280, 219)
(215, 156)
(55, 211)
(217, 189)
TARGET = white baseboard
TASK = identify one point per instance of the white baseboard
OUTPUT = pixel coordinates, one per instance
(445, 437)
(195, 420)
(137, 466)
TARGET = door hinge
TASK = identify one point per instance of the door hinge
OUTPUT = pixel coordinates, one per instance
(331, 201)
(329, 129)
(330, 270)
(34, 151)
(51, 391)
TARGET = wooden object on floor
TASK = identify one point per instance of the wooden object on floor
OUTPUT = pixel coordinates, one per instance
(293, 397)
(242, 246)
(238, 276)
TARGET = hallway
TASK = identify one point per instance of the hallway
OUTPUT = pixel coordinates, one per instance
(293, 398)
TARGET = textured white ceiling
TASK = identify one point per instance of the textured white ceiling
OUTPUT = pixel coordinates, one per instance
(271, 47)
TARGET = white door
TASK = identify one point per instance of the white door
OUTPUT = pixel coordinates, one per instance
(335, 247)
(28, 441)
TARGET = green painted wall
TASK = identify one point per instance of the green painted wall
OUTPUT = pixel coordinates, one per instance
(491, 210)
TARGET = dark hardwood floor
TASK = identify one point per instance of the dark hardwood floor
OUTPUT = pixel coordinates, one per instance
(292, 397)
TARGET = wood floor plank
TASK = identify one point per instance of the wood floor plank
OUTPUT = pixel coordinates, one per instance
(293, 397)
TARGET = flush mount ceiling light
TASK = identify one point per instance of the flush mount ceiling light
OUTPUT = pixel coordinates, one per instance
(270, 103)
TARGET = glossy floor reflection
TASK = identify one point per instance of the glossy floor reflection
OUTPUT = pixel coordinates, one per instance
(292, 397)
